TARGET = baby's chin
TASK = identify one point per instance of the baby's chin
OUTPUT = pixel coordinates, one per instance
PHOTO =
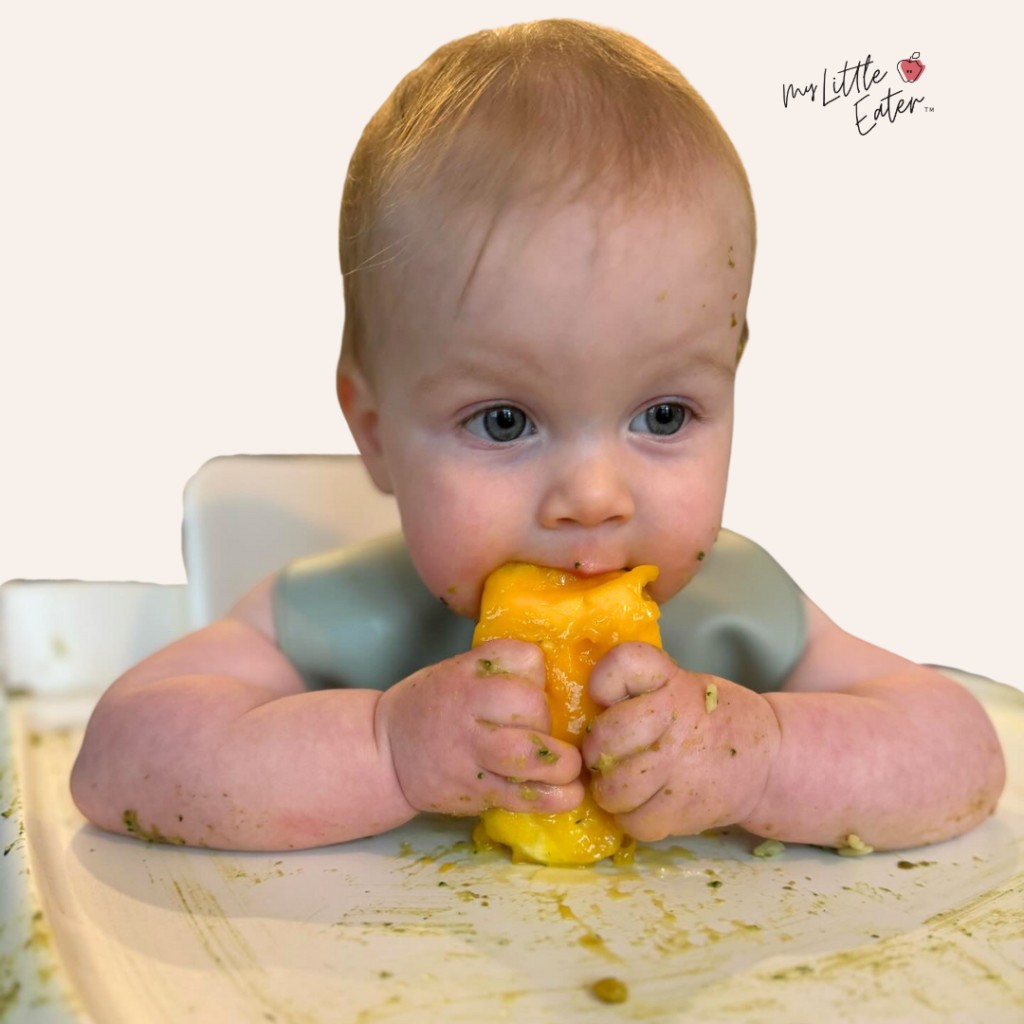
(662, 593)
(671, 580)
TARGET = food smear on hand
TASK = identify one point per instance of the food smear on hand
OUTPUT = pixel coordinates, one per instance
(575, 620)
(711, 697)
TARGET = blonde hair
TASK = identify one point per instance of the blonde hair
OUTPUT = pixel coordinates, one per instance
(517, 112)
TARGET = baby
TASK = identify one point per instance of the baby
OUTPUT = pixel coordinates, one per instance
(547, 243)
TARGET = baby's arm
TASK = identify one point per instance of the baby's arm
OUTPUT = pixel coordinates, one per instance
(214, 741)
(896, 753)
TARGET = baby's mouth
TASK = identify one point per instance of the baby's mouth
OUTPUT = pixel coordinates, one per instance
(587, 569)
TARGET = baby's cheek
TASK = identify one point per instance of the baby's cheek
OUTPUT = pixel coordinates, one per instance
(446, 571)
(454, 552)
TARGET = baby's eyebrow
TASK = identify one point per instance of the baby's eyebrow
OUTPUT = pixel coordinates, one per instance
(713, 363)
(466, 369)
(488, 373)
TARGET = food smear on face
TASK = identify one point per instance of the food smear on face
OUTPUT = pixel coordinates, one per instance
(579, 619)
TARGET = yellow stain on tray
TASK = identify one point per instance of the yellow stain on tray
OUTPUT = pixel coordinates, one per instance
(575, 621)
(229, 951)
(589, 940)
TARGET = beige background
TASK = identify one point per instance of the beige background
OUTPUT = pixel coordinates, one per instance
(169, 288)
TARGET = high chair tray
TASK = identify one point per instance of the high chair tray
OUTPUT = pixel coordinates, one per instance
(414, 926)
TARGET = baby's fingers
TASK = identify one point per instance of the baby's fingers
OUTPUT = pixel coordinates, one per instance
(526, 755)
(628, 670)
(628, 727)
(531, 797)
(625, 786)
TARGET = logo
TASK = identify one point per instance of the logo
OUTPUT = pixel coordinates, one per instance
(911, 70)
(859, 80)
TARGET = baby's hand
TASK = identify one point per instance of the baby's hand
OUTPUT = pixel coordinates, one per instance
(471, 732)
(660, 761)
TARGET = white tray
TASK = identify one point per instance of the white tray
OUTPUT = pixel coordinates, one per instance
(413, 926)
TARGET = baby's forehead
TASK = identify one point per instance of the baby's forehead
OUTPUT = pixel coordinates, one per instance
(469, 260)
(573, 278)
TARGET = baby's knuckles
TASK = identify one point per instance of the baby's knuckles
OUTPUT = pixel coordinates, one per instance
(422, 720)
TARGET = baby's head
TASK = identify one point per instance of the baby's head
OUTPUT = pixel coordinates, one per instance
(547, 243)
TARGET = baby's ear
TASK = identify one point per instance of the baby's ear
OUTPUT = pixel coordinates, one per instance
(359, 405)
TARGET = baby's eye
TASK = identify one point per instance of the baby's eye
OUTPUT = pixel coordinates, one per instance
(500, 422)
(664, 418)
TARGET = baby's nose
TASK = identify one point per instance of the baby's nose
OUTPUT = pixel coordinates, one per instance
(588, 492)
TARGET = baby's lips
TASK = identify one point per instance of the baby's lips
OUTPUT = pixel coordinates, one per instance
(518, 657)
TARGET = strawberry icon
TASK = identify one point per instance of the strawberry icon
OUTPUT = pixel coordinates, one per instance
(911, 70)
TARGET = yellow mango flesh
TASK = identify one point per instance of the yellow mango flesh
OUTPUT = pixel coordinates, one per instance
(575, 621)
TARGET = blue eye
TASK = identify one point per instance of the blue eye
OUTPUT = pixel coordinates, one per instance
(665, 418)
(502, 423)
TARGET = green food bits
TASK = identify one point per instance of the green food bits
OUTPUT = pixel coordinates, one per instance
(542, 751)
(154, 835)
(769, 848)
(854, 846)
(490, 667)
(711, 697)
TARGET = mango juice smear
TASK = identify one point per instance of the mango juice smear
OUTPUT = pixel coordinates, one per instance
(575, 621)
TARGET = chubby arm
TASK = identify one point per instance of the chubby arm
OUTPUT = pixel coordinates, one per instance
(213, 741)
(860, 742)
(876, 745)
